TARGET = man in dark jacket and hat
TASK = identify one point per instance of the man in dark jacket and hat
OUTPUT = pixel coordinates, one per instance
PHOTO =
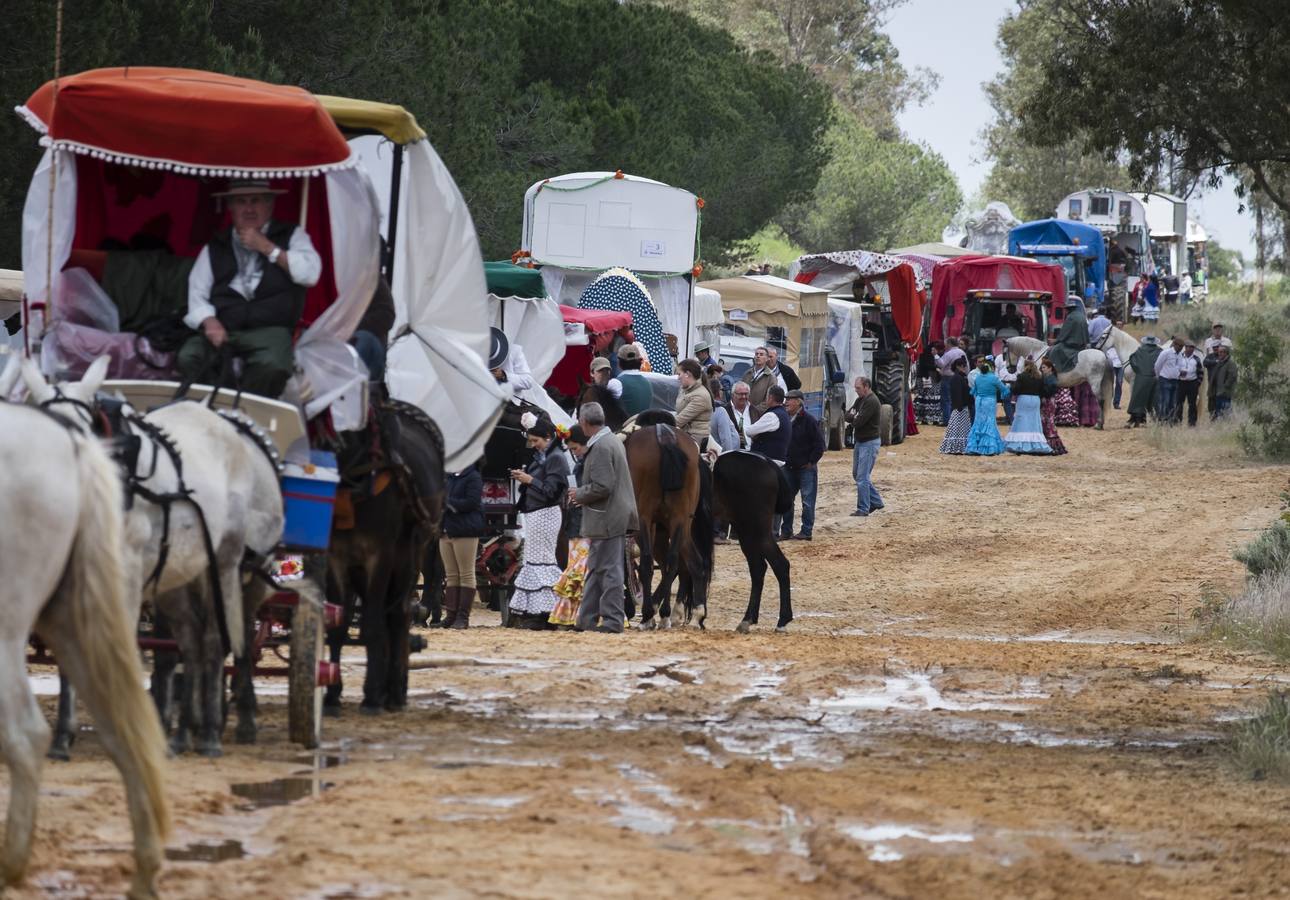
(246, 292)
(1071, 338)
(1142, 399)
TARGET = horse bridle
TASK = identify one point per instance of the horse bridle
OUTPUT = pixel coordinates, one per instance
(125, 451)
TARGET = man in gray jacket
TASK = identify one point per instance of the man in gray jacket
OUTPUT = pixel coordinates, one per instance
(608, 513)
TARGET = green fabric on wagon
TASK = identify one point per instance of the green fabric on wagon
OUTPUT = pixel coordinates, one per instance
(509, 280)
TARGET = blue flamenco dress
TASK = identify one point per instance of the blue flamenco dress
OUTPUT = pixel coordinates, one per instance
(984, 438)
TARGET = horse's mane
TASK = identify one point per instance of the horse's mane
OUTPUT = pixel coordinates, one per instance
(656, 417)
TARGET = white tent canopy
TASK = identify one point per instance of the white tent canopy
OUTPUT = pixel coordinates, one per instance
(438, 356)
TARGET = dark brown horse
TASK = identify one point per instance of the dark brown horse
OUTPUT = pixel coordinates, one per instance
(675, 522)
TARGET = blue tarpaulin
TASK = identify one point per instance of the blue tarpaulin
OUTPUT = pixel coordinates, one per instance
(1063, 238)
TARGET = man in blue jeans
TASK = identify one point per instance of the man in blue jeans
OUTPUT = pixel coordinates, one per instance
(805, 448)
(863, 418)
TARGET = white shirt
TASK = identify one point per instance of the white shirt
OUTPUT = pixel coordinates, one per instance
(304, 265)
(1212, 342)
(1167, 364)
(1189, 366)
(1114, 358)
(518, 374)
(946, 363)
(765, 425)
(1184, 284)
(615, 388)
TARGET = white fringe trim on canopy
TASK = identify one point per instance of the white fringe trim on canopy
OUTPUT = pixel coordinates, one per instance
(179, 167)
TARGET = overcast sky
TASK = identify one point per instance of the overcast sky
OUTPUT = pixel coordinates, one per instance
(956, 39)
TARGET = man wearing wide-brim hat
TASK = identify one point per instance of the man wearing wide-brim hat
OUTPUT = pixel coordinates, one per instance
(1072, 337)
(246, 292)
(703, 353)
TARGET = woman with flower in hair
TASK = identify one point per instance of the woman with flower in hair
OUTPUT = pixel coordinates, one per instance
(543, 484)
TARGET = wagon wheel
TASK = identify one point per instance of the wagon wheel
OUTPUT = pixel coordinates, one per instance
(304, 695)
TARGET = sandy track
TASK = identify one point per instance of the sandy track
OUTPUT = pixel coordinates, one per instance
(988, 692)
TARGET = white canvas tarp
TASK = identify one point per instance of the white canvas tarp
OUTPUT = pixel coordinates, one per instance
(438, 359)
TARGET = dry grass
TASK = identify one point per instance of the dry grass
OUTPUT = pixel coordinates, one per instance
(1218, 440)
(1258, 618)
(1261, 745)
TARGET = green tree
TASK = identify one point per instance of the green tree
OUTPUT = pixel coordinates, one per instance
(1208, 82)
(840, 41)
(1033, 177)
(874, 193)
(1223, 262)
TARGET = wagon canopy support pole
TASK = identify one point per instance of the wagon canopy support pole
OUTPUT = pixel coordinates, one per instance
(396, 181)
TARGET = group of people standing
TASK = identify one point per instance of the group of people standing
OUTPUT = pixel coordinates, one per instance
(972, 427)
(1165, 379)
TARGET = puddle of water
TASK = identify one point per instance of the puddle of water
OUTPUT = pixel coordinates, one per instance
(320, 760)
(207, 851)
(491, 802)
(765, 683)
(278, 792)
(643, 819)
(44, 684)
(916, 691)
(884, 837)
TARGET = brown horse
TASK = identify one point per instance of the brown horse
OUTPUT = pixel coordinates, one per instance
(675, 521)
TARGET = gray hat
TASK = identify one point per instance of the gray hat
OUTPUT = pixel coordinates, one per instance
(1151, 339)
(599, 363)
(701, 346)
(794, 395)
(627, 351)
(1073, 300)
(241, 187)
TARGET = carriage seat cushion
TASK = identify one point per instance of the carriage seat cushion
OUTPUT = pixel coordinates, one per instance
(147, 286)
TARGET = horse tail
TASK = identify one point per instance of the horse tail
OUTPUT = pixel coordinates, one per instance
(104, 627)
(784, 492)
(702, 529)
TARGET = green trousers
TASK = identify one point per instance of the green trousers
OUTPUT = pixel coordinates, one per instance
(266, 357)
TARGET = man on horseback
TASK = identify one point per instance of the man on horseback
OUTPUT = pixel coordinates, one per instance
(246, 292)
(1072, 338)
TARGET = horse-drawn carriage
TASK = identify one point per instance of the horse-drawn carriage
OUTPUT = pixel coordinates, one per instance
(121, 204)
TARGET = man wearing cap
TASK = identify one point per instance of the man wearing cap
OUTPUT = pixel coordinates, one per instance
(805, 448)
(246, 292)
(602, 374)
(703, 353)
(637, 396)
(1189, 375)
(1072, 337)
(1216, 338)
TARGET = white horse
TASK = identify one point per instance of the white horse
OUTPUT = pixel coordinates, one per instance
(236, 488)
(61, 541)
(1091, 366)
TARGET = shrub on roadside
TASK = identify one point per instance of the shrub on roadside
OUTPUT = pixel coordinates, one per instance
(1269, 553)
(1261, 745)
(1263, 385)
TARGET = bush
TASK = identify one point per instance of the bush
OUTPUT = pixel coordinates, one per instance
(1269, 553)
(1263, 387)
(1261, 746)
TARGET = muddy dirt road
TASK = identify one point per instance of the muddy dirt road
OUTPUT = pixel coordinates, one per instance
(989, 692)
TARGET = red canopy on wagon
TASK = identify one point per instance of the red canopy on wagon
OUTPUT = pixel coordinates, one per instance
(191, 122)
(596, 321)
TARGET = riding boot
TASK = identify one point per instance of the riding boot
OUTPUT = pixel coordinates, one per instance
(451, 599)
(465, 600)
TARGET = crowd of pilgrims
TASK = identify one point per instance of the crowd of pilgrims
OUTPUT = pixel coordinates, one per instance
(966, 400)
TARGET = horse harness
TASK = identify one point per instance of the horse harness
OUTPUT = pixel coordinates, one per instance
(370, 476)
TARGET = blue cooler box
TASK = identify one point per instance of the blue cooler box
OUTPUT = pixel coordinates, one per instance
(308, 501)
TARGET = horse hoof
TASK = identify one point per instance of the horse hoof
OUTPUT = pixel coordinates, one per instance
(371, 709)
(1097, 427)
(331, 710)
(180, 747)
(665, 623)
(651, 625)
(59, 754)
(781, 629)
(211, 751)
(245, 735)
(744, 627)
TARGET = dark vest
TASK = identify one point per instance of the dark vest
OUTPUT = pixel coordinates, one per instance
(638, 396)
(278, 300)
(775, 443)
